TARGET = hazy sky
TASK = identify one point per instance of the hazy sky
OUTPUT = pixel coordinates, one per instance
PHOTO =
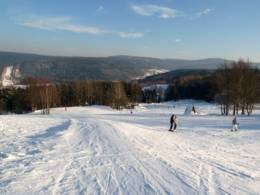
(157, 28)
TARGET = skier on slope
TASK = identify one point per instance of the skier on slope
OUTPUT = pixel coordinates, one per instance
(173, 122)
(234, 124)
(193, 109)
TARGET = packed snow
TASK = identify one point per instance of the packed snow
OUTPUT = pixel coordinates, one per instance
(10, 75)
(7, 76)
(97, 150)
(151, 72)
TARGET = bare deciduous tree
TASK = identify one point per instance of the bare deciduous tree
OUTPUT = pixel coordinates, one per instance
(238, 87)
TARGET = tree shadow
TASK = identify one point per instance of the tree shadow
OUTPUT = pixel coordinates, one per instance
(52, 131)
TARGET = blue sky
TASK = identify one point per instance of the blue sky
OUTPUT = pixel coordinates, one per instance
(190, 29)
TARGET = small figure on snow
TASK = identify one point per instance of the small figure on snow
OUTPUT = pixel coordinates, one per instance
(193, 109)
(190, 110)
(234, 124)
(173, 122)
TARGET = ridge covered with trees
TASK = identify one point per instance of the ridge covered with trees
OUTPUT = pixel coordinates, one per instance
(60, 68)
(42, 94)
(235, 86)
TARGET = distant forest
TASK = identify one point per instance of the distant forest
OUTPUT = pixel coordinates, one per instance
(42, 94)
(110, 68)
(235, 86)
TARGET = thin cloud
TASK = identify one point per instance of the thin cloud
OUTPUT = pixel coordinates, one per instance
(100, 8)
(60, 23)
(133, 35)
(204, 12)
(67, 24)
(178, 40)
(151, 9)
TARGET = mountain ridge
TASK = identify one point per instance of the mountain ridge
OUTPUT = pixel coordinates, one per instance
(119, 67)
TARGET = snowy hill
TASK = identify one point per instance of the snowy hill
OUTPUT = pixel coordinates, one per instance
(151, 72)
(10, 75)
(97, 150)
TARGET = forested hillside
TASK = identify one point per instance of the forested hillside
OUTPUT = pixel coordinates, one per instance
(96, 68)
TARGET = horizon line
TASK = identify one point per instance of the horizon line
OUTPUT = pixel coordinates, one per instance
(126, 55)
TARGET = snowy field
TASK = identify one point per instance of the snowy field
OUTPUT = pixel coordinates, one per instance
(96, 150)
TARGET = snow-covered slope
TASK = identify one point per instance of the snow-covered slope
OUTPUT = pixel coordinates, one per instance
(151, 72)
(97, 150)
(10, 75)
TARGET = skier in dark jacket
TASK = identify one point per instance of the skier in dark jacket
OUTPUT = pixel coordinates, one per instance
(193, 109)
(235, 124)
(173, 122)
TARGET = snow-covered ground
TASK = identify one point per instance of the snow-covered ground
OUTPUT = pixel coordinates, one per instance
(10, 75)
(97, 150)
(151, 72)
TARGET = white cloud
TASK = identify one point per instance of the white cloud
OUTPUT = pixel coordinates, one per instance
(60, 23)
(204, 12)
(150, 9)
(133, 35)
(100, 8)
(67, 24)
(178, 40)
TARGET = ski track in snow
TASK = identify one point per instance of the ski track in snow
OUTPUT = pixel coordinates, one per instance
(96, 150)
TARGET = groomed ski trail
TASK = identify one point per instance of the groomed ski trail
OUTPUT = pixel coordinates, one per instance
(102, 151)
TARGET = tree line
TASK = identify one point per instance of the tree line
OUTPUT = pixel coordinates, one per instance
(42, 94)
(192, 87)
(238, 85)
(234, 86)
